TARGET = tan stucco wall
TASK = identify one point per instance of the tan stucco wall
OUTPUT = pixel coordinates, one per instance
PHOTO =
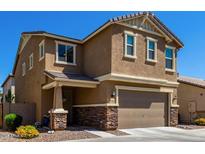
(102, 94)
(98, 60)
(50, 55)
(28, 87)
(189, 93)
(91, 96)
(139, 66)
(97, 54)
(47, 100)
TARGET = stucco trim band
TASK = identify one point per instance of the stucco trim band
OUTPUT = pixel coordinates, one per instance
(136, 79)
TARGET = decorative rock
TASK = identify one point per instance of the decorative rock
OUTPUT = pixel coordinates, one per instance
(58, 121)
(174, 116)
(105, 118)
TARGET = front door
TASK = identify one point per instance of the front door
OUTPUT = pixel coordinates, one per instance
(67, 103)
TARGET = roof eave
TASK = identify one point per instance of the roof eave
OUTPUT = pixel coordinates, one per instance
(53, 36)
(181, 45)
(189, 83)
(108, 23)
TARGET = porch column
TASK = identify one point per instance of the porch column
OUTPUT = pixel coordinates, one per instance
(58, 116)
(57, 98)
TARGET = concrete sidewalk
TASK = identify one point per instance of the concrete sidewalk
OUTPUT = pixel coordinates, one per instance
(102, 134)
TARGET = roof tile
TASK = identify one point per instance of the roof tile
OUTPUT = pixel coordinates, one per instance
(192, 81)
(71, 76)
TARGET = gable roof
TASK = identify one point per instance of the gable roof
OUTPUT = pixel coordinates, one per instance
(150, 15)
(192, 81)
(114, 20)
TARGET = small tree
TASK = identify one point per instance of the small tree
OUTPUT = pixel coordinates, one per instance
(9, 97)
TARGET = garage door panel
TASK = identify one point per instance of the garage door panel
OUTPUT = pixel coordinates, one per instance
(142, 109)
(142, 113)
(128, 98)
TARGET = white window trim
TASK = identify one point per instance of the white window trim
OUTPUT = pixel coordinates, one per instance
(41, 44)
(155, 50)
(23, 69)
(173, 60)
(74, 53)
(134, 45)
(30, 64)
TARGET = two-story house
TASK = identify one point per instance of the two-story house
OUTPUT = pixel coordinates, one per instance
(122, 75)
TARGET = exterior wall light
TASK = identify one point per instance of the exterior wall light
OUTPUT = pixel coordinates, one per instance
(113, 94)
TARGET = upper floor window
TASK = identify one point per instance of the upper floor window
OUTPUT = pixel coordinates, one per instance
(151, 49)
(130, 45)
(65, 53)
(41, 50)
(23, 68)
(169, 57)
(31, 61)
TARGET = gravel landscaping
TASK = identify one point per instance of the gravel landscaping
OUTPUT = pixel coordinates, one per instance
(183, 126)
(72, 133)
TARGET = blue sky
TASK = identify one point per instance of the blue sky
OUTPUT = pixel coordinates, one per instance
(188, 26)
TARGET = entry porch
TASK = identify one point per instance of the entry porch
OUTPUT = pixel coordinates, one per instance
(64, 87)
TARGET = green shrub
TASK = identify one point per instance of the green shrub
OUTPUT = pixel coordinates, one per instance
(27, 132)
(13, 121)
(200, 121)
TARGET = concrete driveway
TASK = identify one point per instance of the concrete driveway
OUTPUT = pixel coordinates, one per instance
(155, 134)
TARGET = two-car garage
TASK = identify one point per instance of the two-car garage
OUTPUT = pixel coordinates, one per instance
(142, 109)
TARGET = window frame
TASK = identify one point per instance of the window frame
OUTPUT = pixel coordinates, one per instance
(127, 33)
(42, 43)
(23, 67)
(30, 64)
(173, 59)
(74, 53)
(155, 49)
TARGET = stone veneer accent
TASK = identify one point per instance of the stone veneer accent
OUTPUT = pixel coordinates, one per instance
(174, 116)
(103, 117)
(58, 121)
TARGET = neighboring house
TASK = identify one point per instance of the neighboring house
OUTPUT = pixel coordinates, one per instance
(191, 98)
(1, 97)
(122, 75)
(8, 84)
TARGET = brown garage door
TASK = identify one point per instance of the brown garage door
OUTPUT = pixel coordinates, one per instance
(142, 109)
